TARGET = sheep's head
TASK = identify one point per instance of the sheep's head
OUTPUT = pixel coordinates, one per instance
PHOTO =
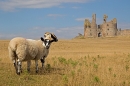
(48, 39)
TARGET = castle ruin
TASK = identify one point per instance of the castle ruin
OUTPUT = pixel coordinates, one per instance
(107, 29)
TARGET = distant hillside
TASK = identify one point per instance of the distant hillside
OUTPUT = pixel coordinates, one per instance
(80, 36)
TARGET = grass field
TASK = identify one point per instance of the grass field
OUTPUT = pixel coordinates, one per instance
(76, 62)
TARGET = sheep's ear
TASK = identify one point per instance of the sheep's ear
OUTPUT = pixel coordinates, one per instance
(54, 37)
(42, 39)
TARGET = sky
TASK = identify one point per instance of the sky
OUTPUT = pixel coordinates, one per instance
(64, 18)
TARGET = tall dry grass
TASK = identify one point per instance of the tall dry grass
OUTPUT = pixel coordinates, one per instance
(77, 62)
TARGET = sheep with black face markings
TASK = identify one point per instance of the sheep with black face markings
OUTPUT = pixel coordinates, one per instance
(21, 49)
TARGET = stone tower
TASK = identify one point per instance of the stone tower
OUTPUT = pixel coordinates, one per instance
(90, 29)
(94, 26)
(109, 29)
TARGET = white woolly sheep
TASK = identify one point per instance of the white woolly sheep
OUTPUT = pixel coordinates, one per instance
(21, 49)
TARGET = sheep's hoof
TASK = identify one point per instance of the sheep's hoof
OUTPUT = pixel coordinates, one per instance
(18, 73)
(28, 70)
(36, 71)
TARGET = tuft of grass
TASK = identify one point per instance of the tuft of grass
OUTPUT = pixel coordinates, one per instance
(48, 67)
(62, 60)
(73, 73)
(110, 69)
(25, 72)
(127, 67)
(96, 79)
(95, 66)
(85, 57)
(114, 75)
(124, 83)
(65, 79)
(72, 62)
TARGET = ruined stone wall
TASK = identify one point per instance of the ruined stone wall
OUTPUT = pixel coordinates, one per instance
(125, 32)
(89, 32)
(87, 26)
(90, 28)
(109, 29)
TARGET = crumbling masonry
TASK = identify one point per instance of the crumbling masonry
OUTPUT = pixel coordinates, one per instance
(107, 29)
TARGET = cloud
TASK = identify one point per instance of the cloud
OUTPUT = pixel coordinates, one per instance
(75, 7)
(61, 33)
(55, 15)
(83, 19)
(80, 19)
(10, 5)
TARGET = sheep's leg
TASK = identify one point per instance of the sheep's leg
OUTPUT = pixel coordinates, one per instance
(28, 65)
(36, 63)
(19, 67)
(15, 65)
(42, 61)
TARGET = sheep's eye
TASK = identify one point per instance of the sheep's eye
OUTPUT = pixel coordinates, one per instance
(44, 35)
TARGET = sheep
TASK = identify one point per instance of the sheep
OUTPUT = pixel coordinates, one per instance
(21, 49)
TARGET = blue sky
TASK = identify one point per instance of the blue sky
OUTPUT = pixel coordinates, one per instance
(64, 18)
